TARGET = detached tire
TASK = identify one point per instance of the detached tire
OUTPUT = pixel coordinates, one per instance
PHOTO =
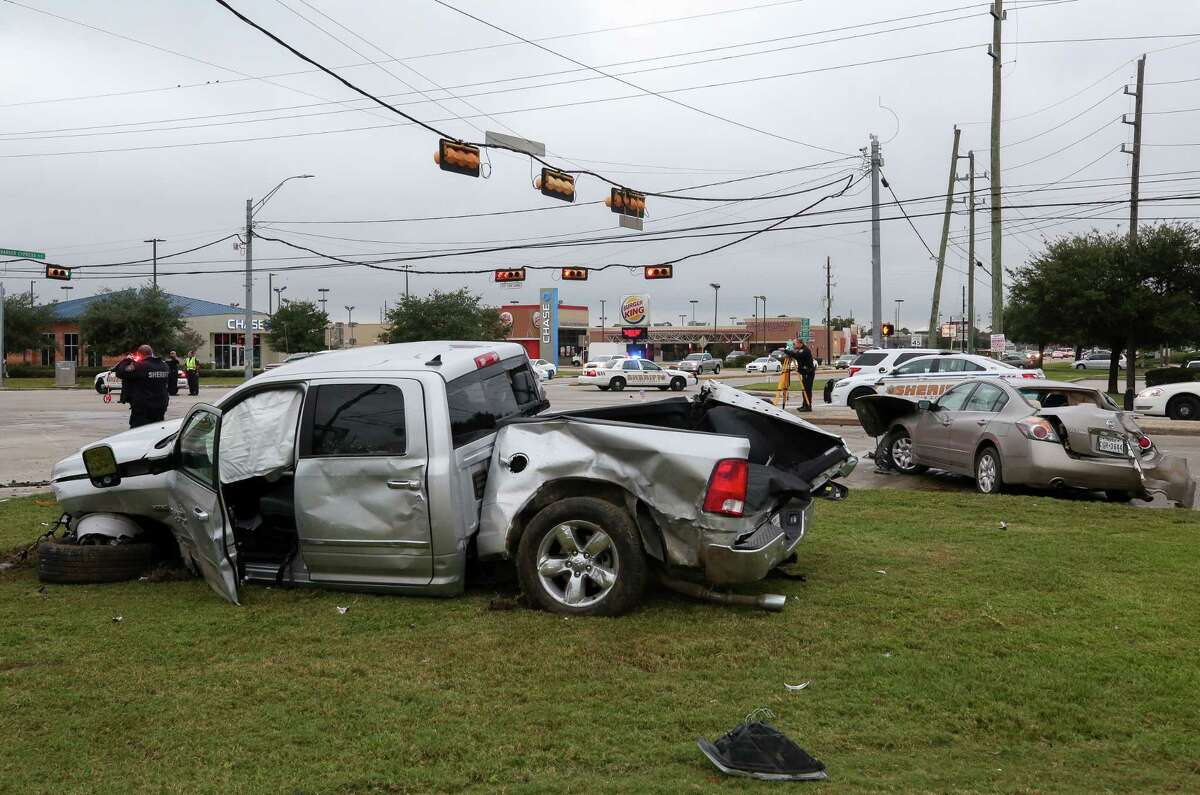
(582, 556)
(74, 563)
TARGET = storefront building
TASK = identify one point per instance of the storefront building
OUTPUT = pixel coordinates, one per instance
(527, 326)
(755, 336)
(221, 328)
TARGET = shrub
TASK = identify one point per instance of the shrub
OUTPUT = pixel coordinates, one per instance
(1170, 375)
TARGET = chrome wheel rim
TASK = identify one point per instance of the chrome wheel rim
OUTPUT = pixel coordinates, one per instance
(902, 453)
(985, 475)
(577, 564)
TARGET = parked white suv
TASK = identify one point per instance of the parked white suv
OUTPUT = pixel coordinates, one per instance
(882, 361)
(923, 377)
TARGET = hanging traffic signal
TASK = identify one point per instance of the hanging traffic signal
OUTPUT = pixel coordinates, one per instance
(574, 274)
(556, 184)
(658, 271)
(456, 157)
(56, 272)
(887, 330)
(511, 275)
(626, 202)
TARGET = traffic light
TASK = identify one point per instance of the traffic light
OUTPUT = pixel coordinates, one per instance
(511, 275)
(658, 271)
(56, 272)
(574, 274)
(556, 184)
(887, 330)
(456, 157)
(626, 202)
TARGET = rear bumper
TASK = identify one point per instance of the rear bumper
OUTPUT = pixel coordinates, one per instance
(750, 559)
(1049, 466)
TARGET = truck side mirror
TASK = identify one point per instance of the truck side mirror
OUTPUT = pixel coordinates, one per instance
(101, 465)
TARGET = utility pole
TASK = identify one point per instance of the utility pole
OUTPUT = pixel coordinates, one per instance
(602, 303)
(716, 291)
(248, 337)
(155, 241)
(998, 15)
(31, 299)
(941, 262)
(270, 289)
(406, 282)
(323, 291)
(1134, 179)
(828, 306)
(876, 276)
(971, 252)
(962, 327)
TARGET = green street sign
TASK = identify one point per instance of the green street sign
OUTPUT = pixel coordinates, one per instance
(13, 252)
(805, 329)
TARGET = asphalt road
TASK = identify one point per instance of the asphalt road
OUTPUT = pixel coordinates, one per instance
(42, 426)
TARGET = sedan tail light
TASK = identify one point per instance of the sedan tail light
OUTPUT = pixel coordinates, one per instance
(1037, 429)
(589, 372)
(1144, 442)
(726, 492)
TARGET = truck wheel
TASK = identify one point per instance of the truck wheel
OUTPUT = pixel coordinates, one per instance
(1184, 408)
(989, 476)
(582, 556)
(678, 384)
(898, 449)
(857, 393)
(617, 384)
(76, 563)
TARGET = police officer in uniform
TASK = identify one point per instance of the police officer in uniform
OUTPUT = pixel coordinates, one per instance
(173, 378)
(144, 386)
(802, 356)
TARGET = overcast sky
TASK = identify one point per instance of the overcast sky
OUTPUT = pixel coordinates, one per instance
(106, 141)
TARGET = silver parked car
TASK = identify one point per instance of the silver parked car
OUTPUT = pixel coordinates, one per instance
(1038, 433)
(697, 363)
(387, 468)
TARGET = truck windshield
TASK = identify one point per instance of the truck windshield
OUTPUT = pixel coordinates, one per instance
(481, 399)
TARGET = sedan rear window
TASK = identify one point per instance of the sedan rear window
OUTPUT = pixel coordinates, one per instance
(868, 359)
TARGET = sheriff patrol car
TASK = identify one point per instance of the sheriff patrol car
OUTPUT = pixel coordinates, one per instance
(618, 373)
(925, 377)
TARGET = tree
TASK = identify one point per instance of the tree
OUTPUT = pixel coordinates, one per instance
(118, 322)
(454, 315)
(841, 322)
(298, 326)
(24, 323)
(1095, 288)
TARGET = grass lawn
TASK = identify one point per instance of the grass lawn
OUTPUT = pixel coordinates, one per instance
(1058, 655)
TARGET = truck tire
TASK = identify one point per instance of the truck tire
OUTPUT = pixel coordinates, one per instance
(678, 384)
(617, 384)
(76, 563)
(1183, 407)
(857, 393)
(582, 556)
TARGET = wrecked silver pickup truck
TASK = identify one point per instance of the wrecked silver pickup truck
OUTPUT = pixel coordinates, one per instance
(389, 468)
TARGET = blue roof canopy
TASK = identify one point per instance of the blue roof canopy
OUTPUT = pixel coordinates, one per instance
(191, 307)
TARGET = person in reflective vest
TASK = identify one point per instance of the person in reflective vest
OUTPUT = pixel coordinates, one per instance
(193, 373)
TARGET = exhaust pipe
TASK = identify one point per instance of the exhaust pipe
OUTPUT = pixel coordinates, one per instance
(771, 602)
(1058, 483)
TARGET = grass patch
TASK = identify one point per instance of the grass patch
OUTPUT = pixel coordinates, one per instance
(1056, 656)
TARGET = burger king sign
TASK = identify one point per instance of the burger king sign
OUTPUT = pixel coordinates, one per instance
(635, 310)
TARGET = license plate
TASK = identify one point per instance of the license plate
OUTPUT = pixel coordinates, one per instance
(1111, 444)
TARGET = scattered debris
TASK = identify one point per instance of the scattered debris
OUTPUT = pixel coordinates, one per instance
(887, 654)
(1003, 525)
(117, 619)
(880, 571)
(42, 589)
(800, 686)
(342, 610)
(504, 603)
(756, 749)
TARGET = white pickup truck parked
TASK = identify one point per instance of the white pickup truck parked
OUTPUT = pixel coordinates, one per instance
(388, 468)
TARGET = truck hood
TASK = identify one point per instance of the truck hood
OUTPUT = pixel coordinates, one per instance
(130, 445)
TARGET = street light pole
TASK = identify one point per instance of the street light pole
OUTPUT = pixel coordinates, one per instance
(693, 302)
(278, 297)
(716, 291)
(896, 326)
(683, 320)
(323, 299)
(251, 209)
(350, 325)
(602, 303)
(155, 241)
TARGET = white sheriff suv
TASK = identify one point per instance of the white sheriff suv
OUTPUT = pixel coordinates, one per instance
(923, 377)
(618, 373)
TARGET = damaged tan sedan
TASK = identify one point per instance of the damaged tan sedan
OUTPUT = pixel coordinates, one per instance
(1033, 432)
(391, 468)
